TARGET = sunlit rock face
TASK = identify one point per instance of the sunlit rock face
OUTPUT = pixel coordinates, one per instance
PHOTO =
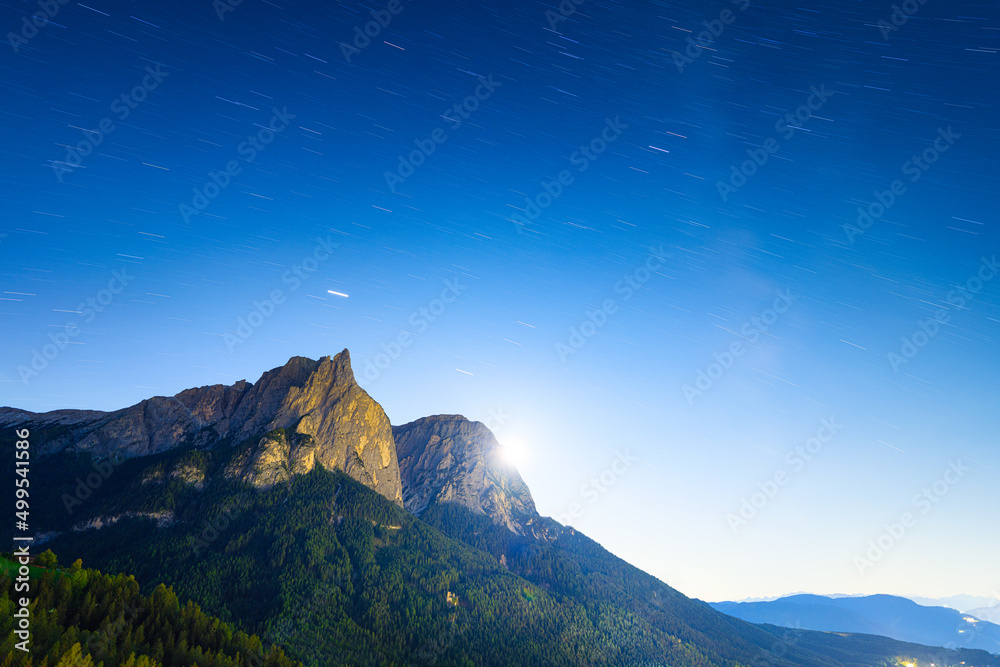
(447, 458)
(277, 456)
(328, 418)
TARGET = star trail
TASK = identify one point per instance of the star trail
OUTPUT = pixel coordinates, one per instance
(740, 242)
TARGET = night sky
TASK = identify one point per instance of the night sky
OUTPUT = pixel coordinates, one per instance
(658, 247)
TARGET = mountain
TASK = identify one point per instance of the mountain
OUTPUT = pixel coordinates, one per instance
(447, 458)
(447, 492)
(895, 617)
(991, 614)
(327, 418)
(958, 602)
(270, 506)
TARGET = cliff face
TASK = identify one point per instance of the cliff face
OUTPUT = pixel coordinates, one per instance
(329, 419)
(447, 458)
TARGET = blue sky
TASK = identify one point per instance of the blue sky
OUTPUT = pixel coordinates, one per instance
(308, 139)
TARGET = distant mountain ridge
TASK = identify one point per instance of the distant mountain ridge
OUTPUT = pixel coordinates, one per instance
(886, 615)
(963, 603)
(967, 604)
(991, 614)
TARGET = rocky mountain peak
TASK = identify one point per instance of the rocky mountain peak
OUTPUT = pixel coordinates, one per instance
(346, 428)
(447, 458)
(330, 418)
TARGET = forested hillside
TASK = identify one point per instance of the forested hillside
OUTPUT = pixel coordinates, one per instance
(83, 618)
(359, 579)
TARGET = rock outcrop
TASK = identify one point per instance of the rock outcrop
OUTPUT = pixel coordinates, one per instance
(276, 457)
(162, 518)
(327, 418)
(447, 458)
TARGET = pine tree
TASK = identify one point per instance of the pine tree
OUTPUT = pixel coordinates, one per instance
(74, 658)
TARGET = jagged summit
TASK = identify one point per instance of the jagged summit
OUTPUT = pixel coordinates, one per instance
(447, 458)
(331, 419)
